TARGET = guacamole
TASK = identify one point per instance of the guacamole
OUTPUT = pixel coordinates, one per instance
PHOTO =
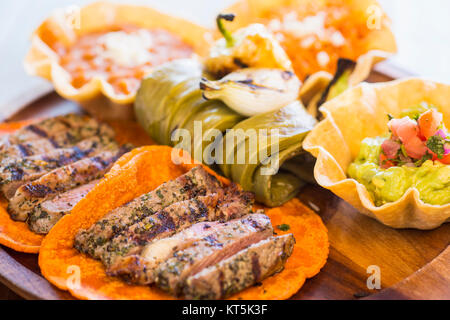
(431, 178)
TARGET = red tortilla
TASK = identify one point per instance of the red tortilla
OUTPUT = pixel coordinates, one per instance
(143, 170)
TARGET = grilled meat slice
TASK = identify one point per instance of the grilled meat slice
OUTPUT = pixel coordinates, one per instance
(161, 224)
(231, 238)
(17, 172)
(27, 149)
(62, 131)
(61, 180)
(45, 215)
(196, 182)
(240, 271)
(170, 220)
(140, 268)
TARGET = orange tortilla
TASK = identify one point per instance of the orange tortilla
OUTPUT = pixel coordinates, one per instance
(138, 172)
(15, 234)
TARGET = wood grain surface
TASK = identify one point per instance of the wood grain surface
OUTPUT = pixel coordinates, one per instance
(413, 264)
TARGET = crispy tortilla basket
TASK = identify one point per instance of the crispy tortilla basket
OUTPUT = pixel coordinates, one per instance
(97, 96)
(366, 12)
(362, 112)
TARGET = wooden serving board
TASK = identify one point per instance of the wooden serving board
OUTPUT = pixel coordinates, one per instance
(413, 264)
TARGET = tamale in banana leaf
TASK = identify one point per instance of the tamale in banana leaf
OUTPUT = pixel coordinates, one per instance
(170, 99)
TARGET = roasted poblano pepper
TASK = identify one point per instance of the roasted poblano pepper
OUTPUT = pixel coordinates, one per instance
(340, 81)
(322, 86)
(252, 46)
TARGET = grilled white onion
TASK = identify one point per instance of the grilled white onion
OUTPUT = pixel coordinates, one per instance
(254, 91)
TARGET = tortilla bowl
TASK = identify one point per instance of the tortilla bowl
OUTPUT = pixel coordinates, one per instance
(97, 96)
(361, 112)
(367, 24)
(138, 172)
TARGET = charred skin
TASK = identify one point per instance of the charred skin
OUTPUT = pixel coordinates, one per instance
(344, 68)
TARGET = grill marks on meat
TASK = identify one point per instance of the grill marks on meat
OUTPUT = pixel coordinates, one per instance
(17, 172)
(45, 215)
(241, 270)
(60, 131)
(27, 149)
(231, 238)
(196, 182)
(139, 268)
(47, 167)
(142, 268)
(61, 180)
(167, 222)
(161, 224)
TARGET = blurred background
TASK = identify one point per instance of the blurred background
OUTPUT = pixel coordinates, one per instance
(422, 29)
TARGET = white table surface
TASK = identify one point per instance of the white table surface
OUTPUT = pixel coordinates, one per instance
(422, 29)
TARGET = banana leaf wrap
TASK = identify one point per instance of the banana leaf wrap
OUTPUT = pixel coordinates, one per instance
(267, 158)
(286, 127)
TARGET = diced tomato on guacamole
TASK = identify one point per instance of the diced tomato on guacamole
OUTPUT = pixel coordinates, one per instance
(415, 153)
(416, 140)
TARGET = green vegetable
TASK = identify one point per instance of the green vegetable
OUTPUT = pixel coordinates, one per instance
(284, 227)
(226, 34)
(426, 157)
(414, 112)
(403, 151)
(293, 124)
(436, 144)
(170, 98)
(339, 83)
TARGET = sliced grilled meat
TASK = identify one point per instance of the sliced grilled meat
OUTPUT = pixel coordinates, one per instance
(170, 220)
(232, 237)
(61, 180)
(17, 172)
(45, 145)
(196, 182)
(61, 131)
(161, 224)
(240, 271)
(140, 268)
(45, 215)
(27, 149)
